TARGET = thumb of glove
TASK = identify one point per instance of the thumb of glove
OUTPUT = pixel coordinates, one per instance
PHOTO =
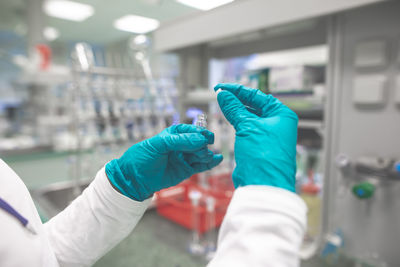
(234, 111)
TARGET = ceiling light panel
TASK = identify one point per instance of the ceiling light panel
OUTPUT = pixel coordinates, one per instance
(68, 10)
(50, 33)
(136, 24)
(204, 4)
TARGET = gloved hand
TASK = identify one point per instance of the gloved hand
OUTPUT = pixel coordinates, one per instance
(162, 161)
(266, 136)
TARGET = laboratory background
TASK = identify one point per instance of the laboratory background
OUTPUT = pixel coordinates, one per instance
(81, 81)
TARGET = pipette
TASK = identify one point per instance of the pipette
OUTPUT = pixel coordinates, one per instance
(210, 244)
(195, 247)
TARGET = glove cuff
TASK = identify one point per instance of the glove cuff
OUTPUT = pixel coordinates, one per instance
(127, 186)
(268, 174)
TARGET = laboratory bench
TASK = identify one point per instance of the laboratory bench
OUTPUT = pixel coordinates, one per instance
(40, 169)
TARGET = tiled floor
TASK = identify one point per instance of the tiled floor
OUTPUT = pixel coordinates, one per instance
(155, 242)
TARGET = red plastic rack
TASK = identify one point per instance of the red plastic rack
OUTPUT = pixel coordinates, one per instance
(174, 203)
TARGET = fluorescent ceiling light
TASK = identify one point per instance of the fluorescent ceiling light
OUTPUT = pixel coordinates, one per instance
(204, 4)
(136, 24)
(68, 10)
(50, 33)
(140, 39)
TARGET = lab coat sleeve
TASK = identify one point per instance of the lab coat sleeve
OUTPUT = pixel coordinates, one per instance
(93, 223)
(264, 226)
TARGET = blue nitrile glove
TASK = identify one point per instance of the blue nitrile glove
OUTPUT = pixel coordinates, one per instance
(162, 161)
(266, 135)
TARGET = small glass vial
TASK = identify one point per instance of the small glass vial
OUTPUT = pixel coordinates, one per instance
(201, 120)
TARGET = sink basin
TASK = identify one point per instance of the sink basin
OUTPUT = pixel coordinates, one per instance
(53, 198)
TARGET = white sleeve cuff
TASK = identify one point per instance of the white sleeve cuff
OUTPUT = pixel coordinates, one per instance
(93, 223)
(115, 198)
(276, 200)
(264, 226)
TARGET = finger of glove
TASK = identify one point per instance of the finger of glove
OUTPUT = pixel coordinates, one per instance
(202, 153)
(195, 157)
(189, 128)
(185, 142)
(200, 167)
(265, 105)
(234, 111)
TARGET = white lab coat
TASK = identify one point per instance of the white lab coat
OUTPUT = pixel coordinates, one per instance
(264, 226)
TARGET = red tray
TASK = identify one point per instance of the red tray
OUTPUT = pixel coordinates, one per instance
(174, 203)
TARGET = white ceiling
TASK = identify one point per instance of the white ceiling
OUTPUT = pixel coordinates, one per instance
(98, 28)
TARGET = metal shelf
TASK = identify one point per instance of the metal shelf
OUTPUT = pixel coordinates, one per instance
(311, 124)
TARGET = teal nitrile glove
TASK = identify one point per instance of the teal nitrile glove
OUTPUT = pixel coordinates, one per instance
(266, 136)
(162, 161)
